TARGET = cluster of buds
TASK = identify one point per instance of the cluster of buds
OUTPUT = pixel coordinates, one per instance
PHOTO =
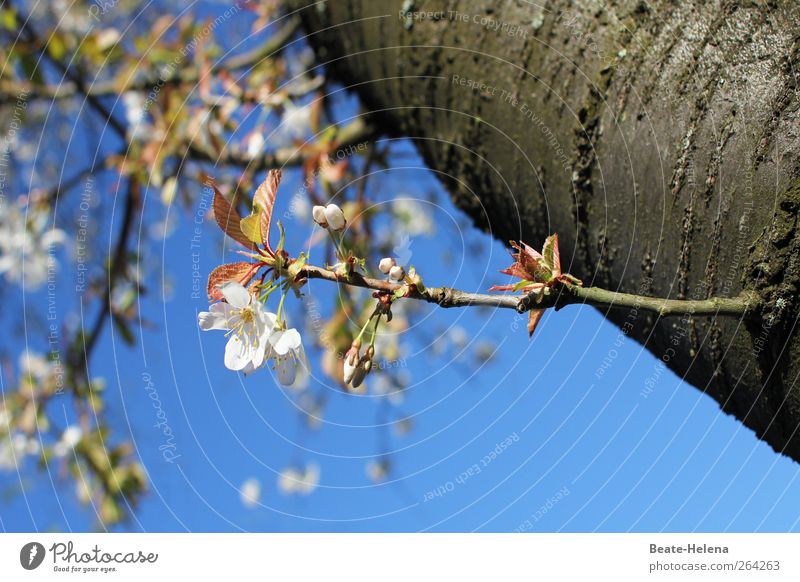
(330, 216)
(356, 366)
(389, 266)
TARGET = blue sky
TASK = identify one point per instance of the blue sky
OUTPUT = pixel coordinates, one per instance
(582, 452)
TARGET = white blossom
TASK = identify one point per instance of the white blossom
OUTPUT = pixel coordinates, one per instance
(289, 358)
(250, 492)
(386, 265)
(68, 441)
(299, 481)
(335, 217)
(318, 212)
(14, 449)
(397, 273)
(26, 246)
(295, 122)
(249, 325)
(255, 144)
(415, 219)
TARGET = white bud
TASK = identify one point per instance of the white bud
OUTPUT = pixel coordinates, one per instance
(351, 361)
(318, 212)
(386, 264)
(335, 217)
(397, 273)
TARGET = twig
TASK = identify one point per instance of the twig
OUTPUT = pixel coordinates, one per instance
(746, 305)
(351, 134)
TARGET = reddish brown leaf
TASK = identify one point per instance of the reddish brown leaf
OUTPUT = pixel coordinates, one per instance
(228, 218)
(240, 273)
(534, 315)
(264, 199)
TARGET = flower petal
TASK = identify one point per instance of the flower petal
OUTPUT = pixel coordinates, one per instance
(217, 317)
(286, 370)
(285, 340)
(235, 294)
(237, 354)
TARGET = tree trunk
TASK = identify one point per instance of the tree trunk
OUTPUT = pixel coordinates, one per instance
(660, 139)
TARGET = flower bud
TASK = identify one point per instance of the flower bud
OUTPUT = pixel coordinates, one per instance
(335, 217)
(318, 212)
(358, 377)
(367, 360)
(397, 273)
(351, 361)
(386, 265)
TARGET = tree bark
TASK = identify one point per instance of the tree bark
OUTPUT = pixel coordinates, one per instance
(660, 139)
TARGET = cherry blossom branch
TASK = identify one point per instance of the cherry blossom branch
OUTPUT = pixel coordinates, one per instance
(35, 90)
(352, 134)
(564, 294)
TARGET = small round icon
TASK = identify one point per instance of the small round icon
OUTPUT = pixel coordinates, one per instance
(31, 555)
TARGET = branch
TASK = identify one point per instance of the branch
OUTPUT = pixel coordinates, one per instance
(79, 358)
(181, 75)
(744, 305)
(351, 134)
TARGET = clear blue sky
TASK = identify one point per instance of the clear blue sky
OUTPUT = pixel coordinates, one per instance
(585, 453)
(581, 452)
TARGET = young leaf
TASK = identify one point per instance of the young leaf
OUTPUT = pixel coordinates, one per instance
(228, 218)
(551, 254)
(251, 227)
(264, 200)
(534, 315)
(239, 272)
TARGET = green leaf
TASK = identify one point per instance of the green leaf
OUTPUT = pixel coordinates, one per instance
(282, 239)
(56, 47)
(8, 17)
(521, 284)
(295, 268)
(251, 227)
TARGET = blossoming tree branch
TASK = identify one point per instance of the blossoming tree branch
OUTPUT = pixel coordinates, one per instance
(241, 290)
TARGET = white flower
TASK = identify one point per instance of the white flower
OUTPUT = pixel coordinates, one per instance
(296, 121)
(249, 325)
(250, 492)
(254, 145)
(35, 366)
(289, 358)
(299, 482)
(335, 217)
(14, 449)
(386, 265)
(397, 273)
(107, 38)
(318, 212)
(136, 115)
(458, 337)
(351, 360)
(69, 440)
(414, 218)
(26, 246)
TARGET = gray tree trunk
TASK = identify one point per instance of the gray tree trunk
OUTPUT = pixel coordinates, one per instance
(660, 139)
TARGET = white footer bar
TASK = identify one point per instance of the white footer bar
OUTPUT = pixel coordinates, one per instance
(401, 557)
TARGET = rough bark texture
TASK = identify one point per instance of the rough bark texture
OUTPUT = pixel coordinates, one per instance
(660, 139)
